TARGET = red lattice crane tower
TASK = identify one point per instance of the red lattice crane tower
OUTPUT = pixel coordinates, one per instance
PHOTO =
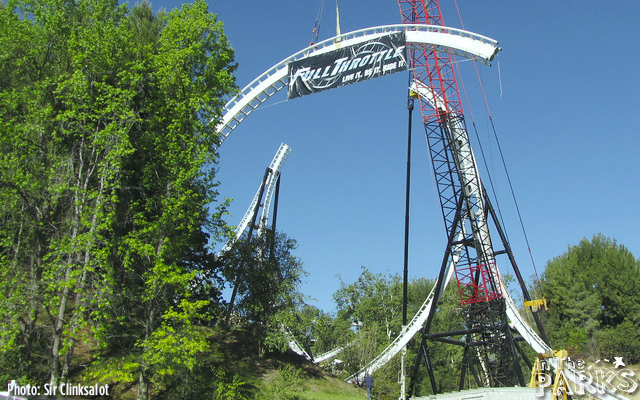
(491, 353)
(431, 67)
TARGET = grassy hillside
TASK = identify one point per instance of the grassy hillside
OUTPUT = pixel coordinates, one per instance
(232, 370)
(278, 376)
(275, 376)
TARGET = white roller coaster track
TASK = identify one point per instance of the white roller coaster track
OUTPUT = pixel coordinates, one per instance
(274, 172)
(298, 349)
(295, 346)
(454, 41)
(331, 353)
(272, 180)
(407, 333)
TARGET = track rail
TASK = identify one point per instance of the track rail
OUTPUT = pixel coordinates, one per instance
(409, 331)
(450, 40)
(277, 163)
(331, 353)
(295, 346)
(274, 172)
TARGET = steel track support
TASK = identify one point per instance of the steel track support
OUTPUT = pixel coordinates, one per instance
(405, 275)
(423, 355)
(522, 353)
(274, 219)
(249, 234)
(436, 297)
(514, 265)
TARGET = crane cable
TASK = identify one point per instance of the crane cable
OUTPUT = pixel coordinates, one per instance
(316, 27)
(504, 165)
(484, 158)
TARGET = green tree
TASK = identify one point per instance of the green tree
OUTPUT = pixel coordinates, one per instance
(63, 137)
(373, 300)
(594, 297)
(106, 179)
(374, 303)
(266, 275)
(319, 330)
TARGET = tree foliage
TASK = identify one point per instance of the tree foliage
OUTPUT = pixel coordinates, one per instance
(265, 275)
(373, 305)
(594, 295)
(106, 147)
(372, 300)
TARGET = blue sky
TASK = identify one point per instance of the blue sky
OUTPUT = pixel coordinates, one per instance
(563, 94)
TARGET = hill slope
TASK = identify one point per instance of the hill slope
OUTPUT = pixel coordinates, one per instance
(276, 376)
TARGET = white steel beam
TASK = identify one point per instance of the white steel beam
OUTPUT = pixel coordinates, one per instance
(455, 41)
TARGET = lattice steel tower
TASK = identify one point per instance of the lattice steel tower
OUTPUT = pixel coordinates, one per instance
(491, 354)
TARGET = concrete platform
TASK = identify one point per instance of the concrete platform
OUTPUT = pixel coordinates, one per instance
(508, 393)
